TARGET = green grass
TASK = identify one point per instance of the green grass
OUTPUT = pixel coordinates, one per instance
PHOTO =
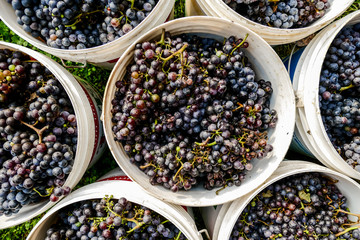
(179, 10)
(354, 7)
(98, 77)
(9, 36)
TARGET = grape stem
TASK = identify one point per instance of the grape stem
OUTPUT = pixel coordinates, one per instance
(347, 230)
(240, 106)
(138, 224)
(349, 213)
(150, 165)
(218, 191)
(178, 172)
(133, 219)
(78, 17)
(31, 61)
(329, 203)
(207, 145)
(347, 87)
(165, 221)
(39, 132)
(354, 223)
(162, 40)
(240, 44)
(175, 53)
(182, 66)
(178, 236)
(48, 190)
(203, 143)
(146, 166)
(132, 3)
(263, 222)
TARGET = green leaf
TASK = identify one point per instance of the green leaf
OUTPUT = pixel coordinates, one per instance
(268, 194)
(304, 196)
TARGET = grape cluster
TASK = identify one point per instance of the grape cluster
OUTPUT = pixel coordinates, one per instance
(107, 219)
(75, 24)
(190, 110)
(38, 133)
(339, 90)
(303, 206)
(282, 13)
(11, 75)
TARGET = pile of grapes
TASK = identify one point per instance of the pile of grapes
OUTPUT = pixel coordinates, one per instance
(280, 13)
(339, 94)
(304, 206)
(75, 24)
(107, 219)
(190, 110)
(38, 133)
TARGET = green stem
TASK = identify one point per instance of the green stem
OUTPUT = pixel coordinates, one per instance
(347, 87)
(205, 143)
(175, 53)
(211, 144)
(120, 18)
(165, 221)
(178, 236)
(240, 44)
(78, 17)
(302, 206)
(73, 25)
(48, 190)
(31, 61)
(218, 191)
(178, 171)
(97, 219)
(138, 225)
(162, 40)
(132, 3)
(182, 66)
(147, 165)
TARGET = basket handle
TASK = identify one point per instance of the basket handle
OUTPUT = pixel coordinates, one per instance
(66, 66)
(205, 231)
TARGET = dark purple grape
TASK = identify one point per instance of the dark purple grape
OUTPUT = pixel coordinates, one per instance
(78, 25)
(280, 14)
(296, 206)
(339, 94)
(189, 114)
(87, 219)
(36, 167)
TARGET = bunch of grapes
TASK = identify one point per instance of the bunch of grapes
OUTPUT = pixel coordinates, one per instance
(107, 219)
(339, 94)
(190, 110)
(280, 13)
(304, 206)
(11, 75)
(75, 24)
(38, 134)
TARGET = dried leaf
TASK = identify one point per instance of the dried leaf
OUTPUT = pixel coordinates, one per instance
(33, 96)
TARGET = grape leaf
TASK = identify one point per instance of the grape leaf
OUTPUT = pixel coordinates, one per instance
(304, 196)
(267, 194)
